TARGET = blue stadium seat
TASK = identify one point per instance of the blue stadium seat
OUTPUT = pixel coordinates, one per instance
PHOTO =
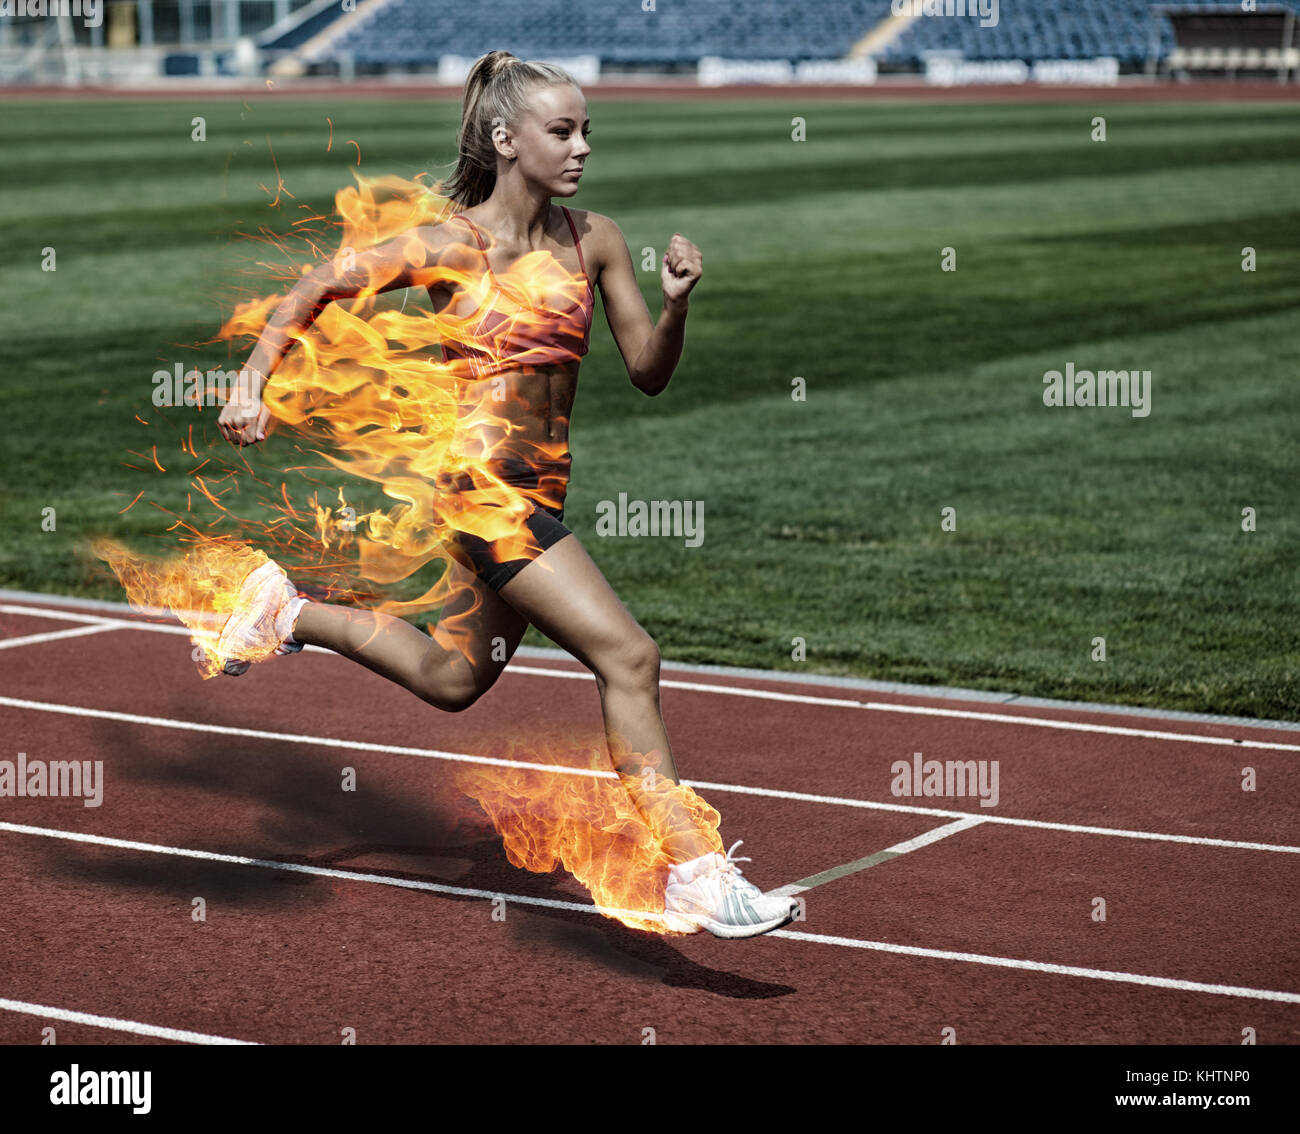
(415, 33)
(1052, 29)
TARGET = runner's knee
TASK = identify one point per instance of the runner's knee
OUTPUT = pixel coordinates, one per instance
(634, 662)
(453, 689)
(453, 700)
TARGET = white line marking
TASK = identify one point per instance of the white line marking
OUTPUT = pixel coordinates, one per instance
(520, 899)
(69, 616)
(928, 711)
(320, 871)
(112, 623)
(74, 616)
(786, 677)
(1043, 967)
(134, 1026)
(799, 698)
(934, 836)
(835, 873)
(1040, 824)
(52, 636)
(295, 738)
(737, 789)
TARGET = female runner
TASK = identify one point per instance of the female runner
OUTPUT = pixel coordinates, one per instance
(523, 141)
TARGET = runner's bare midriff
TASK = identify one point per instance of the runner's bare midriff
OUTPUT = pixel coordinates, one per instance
(536, 401)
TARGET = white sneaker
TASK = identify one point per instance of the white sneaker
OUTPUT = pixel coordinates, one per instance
(262, 624)
(711, 893)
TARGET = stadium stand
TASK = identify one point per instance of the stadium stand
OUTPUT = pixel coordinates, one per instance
(1053, 29)
(243, 38)
(415, 33)
(306, 23)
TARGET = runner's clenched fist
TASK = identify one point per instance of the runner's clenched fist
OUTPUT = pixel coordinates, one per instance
(682, 268)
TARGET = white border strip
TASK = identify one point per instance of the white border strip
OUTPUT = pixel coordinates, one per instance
(97, 619)
(319, 871)
(53, 636)
(1043, 967)
(879, 858)
(1006, 820)
(902, 689)
(792, 698)
(295, 738)
(155, 1031)
(931, 711)
(848, 942)
(559, 769)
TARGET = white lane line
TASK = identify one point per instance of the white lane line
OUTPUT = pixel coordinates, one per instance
(319, 871)
(1006, 820)
(929, 711)
(1043, 967)
(520, 899)
(111, 623)
(52, 636)
(296, 738)
(786, 677)
(847, 868)
(46, 1012)
(795, 698)
(66, 615)
(735, 789)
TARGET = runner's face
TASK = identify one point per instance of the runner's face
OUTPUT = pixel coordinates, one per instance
(553, 140)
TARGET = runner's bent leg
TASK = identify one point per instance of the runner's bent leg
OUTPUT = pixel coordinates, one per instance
(450, 668)
(564, 594)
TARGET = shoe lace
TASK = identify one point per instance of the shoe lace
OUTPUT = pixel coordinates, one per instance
(731, 853)
(732, 873)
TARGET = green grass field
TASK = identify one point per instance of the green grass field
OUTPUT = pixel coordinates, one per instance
(822, 261)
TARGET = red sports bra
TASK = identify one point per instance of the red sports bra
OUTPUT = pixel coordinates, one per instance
(527, 331)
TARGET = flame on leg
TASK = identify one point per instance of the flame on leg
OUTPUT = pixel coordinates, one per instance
(617, 835)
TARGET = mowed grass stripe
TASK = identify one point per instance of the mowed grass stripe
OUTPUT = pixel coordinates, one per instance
(822, 260)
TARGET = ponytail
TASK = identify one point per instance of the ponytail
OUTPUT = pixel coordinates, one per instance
(496, 91)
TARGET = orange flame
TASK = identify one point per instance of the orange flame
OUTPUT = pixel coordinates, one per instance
(199, 587)
(364, 388)
(364, 379)
(617, 835)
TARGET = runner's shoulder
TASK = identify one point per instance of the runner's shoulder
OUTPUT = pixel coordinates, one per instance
(440, 237)
(602, 239)
(593, 226)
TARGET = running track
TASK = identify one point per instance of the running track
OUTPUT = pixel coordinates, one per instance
(372, 909)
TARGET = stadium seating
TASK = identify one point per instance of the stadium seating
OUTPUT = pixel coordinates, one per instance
(1053, 29)
(415, 33)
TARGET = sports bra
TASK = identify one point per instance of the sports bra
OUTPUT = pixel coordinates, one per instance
(509, 334)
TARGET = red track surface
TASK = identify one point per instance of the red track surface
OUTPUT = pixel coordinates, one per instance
(287, 957)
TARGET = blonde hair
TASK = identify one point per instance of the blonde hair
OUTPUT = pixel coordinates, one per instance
(496, 91)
